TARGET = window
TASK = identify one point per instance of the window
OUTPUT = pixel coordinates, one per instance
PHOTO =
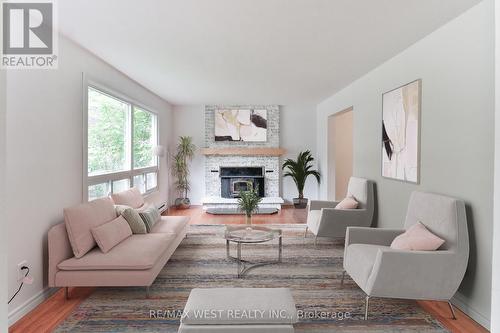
(144, 138)
(121, 138)
(108, 124)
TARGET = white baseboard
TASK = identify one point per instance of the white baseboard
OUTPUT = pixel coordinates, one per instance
(30, 304)
(458, 301)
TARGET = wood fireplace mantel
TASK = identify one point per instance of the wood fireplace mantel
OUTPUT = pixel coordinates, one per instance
(242, 151)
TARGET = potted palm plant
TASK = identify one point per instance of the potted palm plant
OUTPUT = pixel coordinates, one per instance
(248, 202)
(180, 170)
(299, 170)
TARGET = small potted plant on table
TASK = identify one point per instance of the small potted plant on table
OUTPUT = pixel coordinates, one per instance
(248, 202)
(299, 170)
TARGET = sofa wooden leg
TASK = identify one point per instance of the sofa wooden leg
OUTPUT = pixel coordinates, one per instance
(305, 233)
(367, 302)
(66, 293)
(452, 311)
(148, 295)
(342, 279)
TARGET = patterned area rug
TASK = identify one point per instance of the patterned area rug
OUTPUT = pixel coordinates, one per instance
(312, 272)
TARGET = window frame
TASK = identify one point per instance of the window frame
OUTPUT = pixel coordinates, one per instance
(119, 175)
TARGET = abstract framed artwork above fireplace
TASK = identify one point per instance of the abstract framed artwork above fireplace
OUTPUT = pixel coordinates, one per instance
(226, 174)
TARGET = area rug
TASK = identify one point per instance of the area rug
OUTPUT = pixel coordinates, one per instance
(311, 272)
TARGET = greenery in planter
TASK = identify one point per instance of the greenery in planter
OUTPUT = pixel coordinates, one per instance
(180, 167)
(248, 202)
(299, 170)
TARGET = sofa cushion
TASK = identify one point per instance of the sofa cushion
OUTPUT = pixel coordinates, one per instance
(120, 209)
(111, 234)
(131, 197)
(359, 260)
(171, 224)
(134, 221)
(135, 253)
(149, 215)
(81, 219)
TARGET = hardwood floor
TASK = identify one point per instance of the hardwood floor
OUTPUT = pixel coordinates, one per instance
(463, 323)
(45, 317)
(54, 310)
(287, 215)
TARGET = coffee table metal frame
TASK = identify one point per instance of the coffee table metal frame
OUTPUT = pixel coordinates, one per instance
(244, 265)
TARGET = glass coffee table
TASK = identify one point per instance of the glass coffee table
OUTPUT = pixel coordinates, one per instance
(243, 234)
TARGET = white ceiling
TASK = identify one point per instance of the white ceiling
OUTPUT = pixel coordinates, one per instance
(250, 51)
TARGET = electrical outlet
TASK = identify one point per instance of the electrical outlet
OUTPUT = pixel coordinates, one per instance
(21, 273)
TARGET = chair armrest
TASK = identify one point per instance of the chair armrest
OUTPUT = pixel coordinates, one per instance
(318, 204)
(363, 235)
(433, 275)
(334, 222)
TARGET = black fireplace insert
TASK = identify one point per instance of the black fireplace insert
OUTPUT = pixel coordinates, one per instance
(237, 179)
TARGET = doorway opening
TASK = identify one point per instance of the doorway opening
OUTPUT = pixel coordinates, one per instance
(340, 153)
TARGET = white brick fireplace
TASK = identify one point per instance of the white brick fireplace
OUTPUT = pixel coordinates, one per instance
(217, 156)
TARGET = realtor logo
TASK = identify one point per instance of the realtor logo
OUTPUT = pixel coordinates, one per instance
(28, 35)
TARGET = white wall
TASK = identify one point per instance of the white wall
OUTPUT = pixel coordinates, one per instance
(297, 128)
(495, 288)
(44, 149)
(456, 65)
(190, 121)
(3, 235)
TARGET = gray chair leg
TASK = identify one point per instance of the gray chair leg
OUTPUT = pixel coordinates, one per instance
(342, 279)
(305, 233)
(315, 240)
(367, 302)
(452, 310)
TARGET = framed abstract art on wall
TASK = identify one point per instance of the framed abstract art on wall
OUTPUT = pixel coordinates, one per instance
(241, 125)
(401, 110)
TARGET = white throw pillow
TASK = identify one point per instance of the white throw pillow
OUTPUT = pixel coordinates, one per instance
(347, 203)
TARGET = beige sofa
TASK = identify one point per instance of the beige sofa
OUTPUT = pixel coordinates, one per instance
(136, 261)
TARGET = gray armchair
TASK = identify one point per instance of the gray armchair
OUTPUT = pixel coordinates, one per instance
(422, 275)
(323, 220)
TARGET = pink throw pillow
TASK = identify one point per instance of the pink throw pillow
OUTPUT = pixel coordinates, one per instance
(347, 203)
(112, 233)
(81, 219)
(417, 238)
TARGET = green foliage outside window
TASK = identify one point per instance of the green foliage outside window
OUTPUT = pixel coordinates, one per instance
(107, 124)
(109, 139)
(143, 138)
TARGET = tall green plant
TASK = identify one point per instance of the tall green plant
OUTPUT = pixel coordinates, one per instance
(180, 164)
(248, 202)
(300, 169)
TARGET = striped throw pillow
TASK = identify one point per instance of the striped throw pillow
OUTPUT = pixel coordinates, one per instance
(134, 221)
(150, 216)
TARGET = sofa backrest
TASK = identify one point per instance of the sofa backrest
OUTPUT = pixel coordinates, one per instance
(131, 197)
(444, 216)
